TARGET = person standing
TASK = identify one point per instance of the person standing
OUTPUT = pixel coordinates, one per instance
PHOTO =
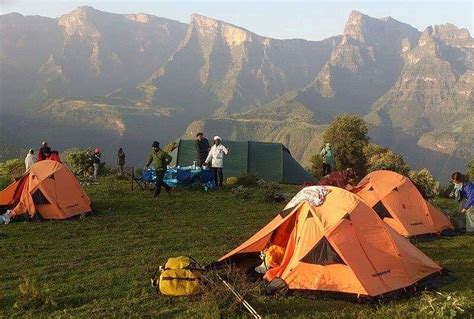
(159, 160)
(216, 159)
(54, 156)
(120, 162)
(29, 159)
(96, 161)
(329, 162)
(44, 152)
(202, 149)
(467, 189)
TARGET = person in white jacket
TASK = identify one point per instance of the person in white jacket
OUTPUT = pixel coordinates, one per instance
(216, 159)
(30, 159)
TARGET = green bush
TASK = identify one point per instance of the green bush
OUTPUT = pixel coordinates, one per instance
(426, 181)
(316, 166)
(443, 305)
(270, 191)
(13, 168)
(241, 192)
(470, 169)
(79, 161)
(247, 180)
(388, 160)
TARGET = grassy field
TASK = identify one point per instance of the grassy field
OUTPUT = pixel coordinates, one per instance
(100, 266)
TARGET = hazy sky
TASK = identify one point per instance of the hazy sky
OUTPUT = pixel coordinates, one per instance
(312, 20)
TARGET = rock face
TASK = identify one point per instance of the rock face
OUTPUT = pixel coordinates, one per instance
(97, 77)
(220, 68)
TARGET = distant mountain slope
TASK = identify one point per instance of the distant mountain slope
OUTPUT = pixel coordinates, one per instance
(220, 68)
(83, 53)
(97, 78)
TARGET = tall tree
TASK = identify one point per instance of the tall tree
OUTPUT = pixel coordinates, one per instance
(348, 135)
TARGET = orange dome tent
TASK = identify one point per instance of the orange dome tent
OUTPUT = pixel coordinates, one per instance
(341, 246)
(399, 203)
(48, 188)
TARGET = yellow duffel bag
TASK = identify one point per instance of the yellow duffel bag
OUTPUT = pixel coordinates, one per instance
(179, 282)
(180, 276)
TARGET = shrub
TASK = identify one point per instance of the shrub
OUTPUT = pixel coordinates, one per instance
(241, 192)
(13, 168)
(424, 180)
(247, 180)
(443, 305)
(33, 297)
(316, 166)
(388, 160)
(470, 169)
(270, 191)
(79, 161)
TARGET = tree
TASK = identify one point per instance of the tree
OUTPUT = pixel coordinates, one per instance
(380, 158)
(348, 135)
(13, 168)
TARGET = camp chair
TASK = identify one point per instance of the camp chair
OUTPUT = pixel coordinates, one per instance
(146, 179)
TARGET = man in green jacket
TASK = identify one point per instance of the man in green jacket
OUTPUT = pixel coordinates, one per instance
(329, 162)
(159, 161)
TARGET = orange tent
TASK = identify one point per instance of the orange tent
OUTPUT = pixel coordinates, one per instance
(341, 246)
(48, 188)
(399, 203)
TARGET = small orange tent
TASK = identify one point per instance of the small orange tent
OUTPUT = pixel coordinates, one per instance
(48, 188)
(399, 203)
(341, 246)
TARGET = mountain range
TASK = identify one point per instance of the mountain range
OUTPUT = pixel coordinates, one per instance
(95, 78)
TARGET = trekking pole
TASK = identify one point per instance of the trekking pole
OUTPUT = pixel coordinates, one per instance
(240, 299)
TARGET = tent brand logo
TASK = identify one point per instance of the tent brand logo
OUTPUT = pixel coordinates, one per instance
(378, 274)
(73, 205)
(416, 224)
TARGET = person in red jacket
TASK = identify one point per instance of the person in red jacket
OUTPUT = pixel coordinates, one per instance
(55, 156)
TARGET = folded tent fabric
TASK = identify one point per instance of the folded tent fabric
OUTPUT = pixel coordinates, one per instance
(340, 246)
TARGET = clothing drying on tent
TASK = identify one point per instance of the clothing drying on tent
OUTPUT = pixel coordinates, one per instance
(269, 161)
(397, 201)
(341, 246)
(50, 189)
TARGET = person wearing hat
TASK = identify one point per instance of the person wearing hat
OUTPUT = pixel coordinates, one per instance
(159, 160)
(29, 159)
(329, 162)
(96, 161)
(216, 159)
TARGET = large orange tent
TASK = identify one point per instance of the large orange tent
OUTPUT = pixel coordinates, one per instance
(341, 246)
(399, 203)
(48, 188)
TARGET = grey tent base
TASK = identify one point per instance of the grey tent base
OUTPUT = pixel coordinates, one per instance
(269, 161)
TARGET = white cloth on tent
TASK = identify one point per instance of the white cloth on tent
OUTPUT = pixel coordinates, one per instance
(313, 194)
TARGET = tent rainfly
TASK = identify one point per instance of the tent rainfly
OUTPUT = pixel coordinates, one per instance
(48, 188)
(340, 247)
(399, 203)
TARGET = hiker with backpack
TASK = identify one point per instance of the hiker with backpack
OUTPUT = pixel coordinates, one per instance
(467, 188)
(159, 160)
(216, 159)
(202, 149)
(95, 158)
(120, 162)
(329, 162)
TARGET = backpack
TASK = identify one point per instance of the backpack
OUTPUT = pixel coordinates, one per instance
(180, 276)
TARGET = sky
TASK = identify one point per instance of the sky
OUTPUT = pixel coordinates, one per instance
(311, 20)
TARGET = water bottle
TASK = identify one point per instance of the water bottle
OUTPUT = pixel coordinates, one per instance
(194, 165)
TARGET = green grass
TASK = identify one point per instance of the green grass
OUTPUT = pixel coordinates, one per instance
(100, 266)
